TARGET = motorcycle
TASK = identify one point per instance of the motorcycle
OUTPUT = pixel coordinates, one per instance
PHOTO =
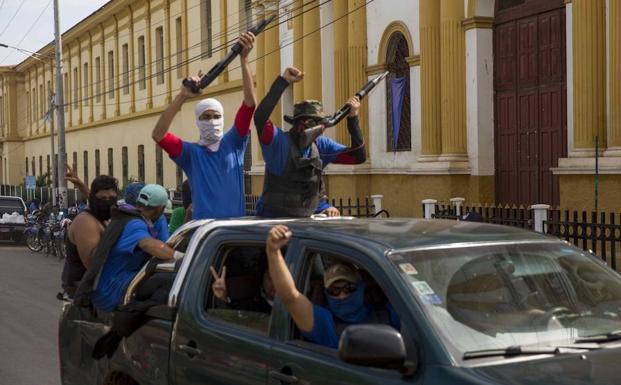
(32, 232)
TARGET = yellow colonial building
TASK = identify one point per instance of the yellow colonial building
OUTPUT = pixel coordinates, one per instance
(505, 101)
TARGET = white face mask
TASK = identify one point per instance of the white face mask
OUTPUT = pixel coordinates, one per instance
(211, 131)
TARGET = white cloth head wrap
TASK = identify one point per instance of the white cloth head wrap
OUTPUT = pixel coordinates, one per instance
(211, 131)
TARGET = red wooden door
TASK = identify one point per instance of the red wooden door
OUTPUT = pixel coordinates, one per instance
(530, 103)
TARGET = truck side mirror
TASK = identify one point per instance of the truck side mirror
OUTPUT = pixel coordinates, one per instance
(374, 345)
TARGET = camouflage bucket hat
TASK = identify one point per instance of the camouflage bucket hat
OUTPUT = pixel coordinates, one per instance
(306, 109)
(340, 272)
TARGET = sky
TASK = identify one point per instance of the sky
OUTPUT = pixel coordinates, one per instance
(25, 32)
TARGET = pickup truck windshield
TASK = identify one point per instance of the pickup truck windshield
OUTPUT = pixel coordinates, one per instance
(10, 205)
(498, 296)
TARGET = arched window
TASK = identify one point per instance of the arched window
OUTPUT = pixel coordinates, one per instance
(398, 94)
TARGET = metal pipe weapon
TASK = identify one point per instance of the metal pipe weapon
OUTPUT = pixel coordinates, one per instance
(217, 69)
(342, 113)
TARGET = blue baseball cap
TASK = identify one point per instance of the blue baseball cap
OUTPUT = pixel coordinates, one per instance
(153, 195)
(131, 192)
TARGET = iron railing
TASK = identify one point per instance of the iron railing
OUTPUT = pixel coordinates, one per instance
(501, 215)
(599, 233)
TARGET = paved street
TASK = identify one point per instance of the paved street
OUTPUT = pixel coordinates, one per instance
(29, 314)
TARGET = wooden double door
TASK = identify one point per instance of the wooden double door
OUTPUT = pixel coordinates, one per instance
(530, 99)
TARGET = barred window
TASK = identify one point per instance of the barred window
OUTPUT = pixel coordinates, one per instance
(97, 164)
(85, 86)
(97, 79)
(159, 54)
(245, 14)
(124, 163)
(206, 29)
(65, 91)
(76, 88)
(110, 74)
(159, 165)
(74, 165)
(396, 63)
(142, 74)
(125, 69)
(179, 47)
(110, 162)
(141, 163)
(179, 178)
(86, 167)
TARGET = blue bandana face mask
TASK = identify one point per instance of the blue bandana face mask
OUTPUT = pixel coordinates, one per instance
(351, 309)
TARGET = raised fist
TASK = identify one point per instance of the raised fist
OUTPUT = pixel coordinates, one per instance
(293, 75)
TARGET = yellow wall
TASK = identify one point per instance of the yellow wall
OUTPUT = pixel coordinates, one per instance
(578, 192)
(127, 119)
(402, 194)
(123, 119)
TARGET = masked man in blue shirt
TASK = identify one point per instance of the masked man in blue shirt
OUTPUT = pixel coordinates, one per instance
(344, 291)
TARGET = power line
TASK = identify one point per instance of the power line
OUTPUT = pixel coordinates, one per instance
(237, 27)
(152, 24)
(217, 49)
(13, 17)
(29, 29)
(271, 52)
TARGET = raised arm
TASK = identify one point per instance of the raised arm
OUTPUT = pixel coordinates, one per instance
(267, 105)
(72, 177)
(355, 154)
(250, 96)
(298, 305)
(163, 123)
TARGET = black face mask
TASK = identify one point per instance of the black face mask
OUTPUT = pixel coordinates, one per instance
(100, 208)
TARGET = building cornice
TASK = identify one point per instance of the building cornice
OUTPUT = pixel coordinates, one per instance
(232, 86)
(482, 22)
(413, 61)
(586, 165)
(12, 139)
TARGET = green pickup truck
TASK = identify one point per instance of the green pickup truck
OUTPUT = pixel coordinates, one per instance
(477, 304)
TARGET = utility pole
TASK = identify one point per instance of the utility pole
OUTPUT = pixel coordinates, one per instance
(60, 105)
(53, 151)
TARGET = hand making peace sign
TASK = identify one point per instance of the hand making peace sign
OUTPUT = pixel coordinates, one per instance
(219, 283)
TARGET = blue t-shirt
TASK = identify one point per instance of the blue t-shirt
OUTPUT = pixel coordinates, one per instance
(216, 178)
(324, 328)
(276, 155)
(160, 227)
(124, 262)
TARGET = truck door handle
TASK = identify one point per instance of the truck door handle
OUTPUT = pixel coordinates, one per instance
(190, 349)
(282, 377)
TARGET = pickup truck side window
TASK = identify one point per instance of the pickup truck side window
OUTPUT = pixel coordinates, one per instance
(238, 290)
(329, 280)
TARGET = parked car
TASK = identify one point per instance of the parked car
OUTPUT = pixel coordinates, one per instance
(477, 303)
(12, 218)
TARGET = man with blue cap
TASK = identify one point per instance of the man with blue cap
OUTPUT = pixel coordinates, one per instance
(138, 241)
(130, 196)
(134, 239)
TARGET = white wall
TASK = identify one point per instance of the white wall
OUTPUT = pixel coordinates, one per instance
(480, 100)
(380, 14)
